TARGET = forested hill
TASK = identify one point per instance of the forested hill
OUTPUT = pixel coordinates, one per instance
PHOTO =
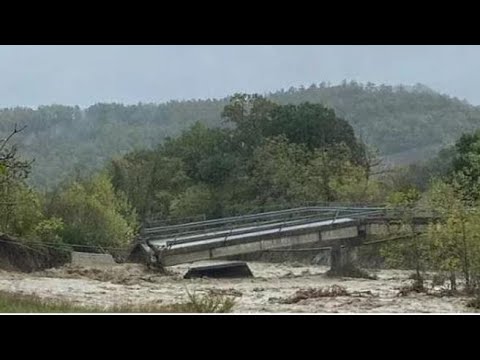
(394, 119)
(67, 140)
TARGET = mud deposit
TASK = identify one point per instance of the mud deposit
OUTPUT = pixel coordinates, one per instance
(276, 288)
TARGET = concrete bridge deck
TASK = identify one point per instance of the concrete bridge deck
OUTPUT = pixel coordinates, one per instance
(219, 238)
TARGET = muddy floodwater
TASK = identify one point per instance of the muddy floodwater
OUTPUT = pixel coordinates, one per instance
(267, 292)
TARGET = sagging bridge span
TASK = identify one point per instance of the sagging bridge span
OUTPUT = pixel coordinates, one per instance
(341, 228)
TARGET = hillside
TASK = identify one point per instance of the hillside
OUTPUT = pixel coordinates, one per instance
(66, 141)
(394, 119)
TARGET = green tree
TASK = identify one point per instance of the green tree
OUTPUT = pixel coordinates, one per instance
(413, 251)
(315, 126)
(455, 238)
(20, 210)
(20, 207)
(278, 172)
(208, 154)
(331, 173)
(466, 164)
(94, 215)
(250, 114)
(196, 200)
(150, 180)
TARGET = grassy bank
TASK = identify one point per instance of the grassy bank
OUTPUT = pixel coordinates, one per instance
(15, 303)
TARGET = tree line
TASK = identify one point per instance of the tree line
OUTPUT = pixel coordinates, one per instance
(68, 140)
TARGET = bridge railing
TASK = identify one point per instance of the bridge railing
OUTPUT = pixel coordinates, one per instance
(228, 220)
(200, 231)
(232, 222)
(242, 230)
(260, 216)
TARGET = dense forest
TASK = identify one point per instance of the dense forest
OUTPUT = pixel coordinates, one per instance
(403, 123)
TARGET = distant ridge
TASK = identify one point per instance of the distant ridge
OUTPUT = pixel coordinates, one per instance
(67, 140)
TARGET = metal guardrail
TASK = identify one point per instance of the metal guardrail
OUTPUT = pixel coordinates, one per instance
(258, 217)
(159, 240)
(248, 230)
(209, 229)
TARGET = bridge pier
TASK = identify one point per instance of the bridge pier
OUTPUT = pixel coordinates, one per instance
(343, 262)
(342, 256)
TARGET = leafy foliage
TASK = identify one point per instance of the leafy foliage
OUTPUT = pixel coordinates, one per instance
(93, 214)
(413, 252)
(455, 240)
(215, 172)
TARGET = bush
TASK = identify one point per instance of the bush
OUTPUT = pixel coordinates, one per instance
(50, 230)
(208, 304)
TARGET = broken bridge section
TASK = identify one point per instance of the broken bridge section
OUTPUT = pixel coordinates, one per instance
(221, 238)
(230, 269)
(339, 228)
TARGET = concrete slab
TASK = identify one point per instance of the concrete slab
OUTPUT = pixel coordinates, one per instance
(231, 269)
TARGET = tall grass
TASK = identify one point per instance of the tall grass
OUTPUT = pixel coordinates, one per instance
(16, 303)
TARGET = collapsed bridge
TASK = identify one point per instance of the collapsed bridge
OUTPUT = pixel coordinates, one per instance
(341, 228)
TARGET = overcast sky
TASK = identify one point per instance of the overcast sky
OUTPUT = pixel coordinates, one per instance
(84, 75)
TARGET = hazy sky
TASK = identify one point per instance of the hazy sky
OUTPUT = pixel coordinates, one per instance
(84, 75)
